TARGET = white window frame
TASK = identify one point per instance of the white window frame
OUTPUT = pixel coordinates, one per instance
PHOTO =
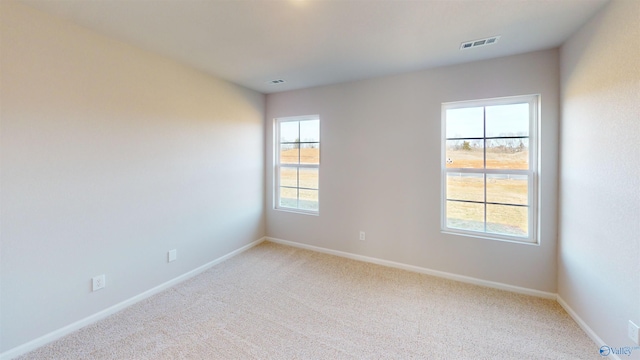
(278, 165)
(532, 172)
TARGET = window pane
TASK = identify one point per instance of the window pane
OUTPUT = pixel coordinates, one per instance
(308, 199)
(288, 197)
(310, 153)
(464, 154)
(508, 189)
(507, 120)
(508, 154)
(461, 186)
(309, 178)
(508, 220)
(466, 216)
(289, 153)
(310, 131)
(288, 177)
(465, 123)
(298, 143)
(289, 131)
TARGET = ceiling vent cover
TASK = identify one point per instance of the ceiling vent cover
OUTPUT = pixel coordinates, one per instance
(480, 42)
(275, 82)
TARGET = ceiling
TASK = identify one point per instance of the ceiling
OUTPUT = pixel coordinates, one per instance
(309, 43)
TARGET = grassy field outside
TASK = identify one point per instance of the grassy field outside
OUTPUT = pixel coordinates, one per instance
(499, 188)
(474, 158)
(307, 178)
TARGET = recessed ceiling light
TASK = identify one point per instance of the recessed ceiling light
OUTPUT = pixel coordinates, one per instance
(275, 82)
(480, 42)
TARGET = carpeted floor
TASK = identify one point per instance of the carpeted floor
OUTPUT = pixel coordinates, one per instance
(278, 302)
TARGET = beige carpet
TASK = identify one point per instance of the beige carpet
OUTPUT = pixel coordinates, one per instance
(278, 302)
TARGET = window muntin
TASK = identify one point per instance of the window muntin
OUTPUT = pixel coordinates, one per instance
(489, 168)
(297, 164)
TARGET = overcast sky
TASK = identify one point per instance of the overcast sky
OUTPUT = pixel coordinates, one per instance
(502, 120)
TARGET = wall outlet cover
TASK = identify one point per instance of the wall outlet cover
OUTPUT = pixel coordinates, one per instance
(173, 255)
(98, 282)
(634, 332)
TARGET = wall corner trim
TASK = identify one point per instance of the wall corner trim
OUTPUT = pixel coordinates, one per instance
(57, 334)
(418, 269)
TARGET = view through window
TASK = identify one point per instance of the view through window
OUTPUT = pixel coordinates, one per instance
(298, 164)
(489, 168)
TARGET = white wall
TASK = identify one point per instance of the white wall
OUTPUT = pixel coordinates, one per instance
(599, 246)
(380, 169)
(111, 156)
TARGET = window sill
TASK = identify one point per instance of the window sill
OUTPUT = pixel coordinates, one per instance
(297, 211)
(490, 237)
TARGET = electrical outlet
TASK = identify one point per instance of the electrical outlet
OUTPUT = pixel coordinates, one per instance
(362, 237)
(98, 282)
(634, 333)
(172, 255)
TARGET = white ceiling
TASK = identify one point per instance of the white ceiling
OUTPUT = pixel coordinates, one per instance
(309, 42)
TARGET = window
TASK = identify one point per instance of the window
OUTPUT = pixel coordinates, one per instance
(297, 173)
(489, 168)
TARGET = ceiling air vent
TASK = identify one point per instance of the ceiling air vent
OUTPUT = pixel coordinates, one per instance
(275, 82)
(479, 42)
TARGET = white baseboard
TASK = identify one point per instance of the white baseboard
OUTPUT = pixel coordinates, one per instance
(54, 335)
(583, 325)
(418, 269)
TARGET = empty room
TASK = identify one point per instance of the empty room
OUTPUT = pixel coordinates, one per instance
(302, 179)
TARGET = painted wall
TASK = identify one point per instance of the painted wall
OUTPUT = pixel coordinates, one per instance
(111, 156)
(599, 246)
(380, 169)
